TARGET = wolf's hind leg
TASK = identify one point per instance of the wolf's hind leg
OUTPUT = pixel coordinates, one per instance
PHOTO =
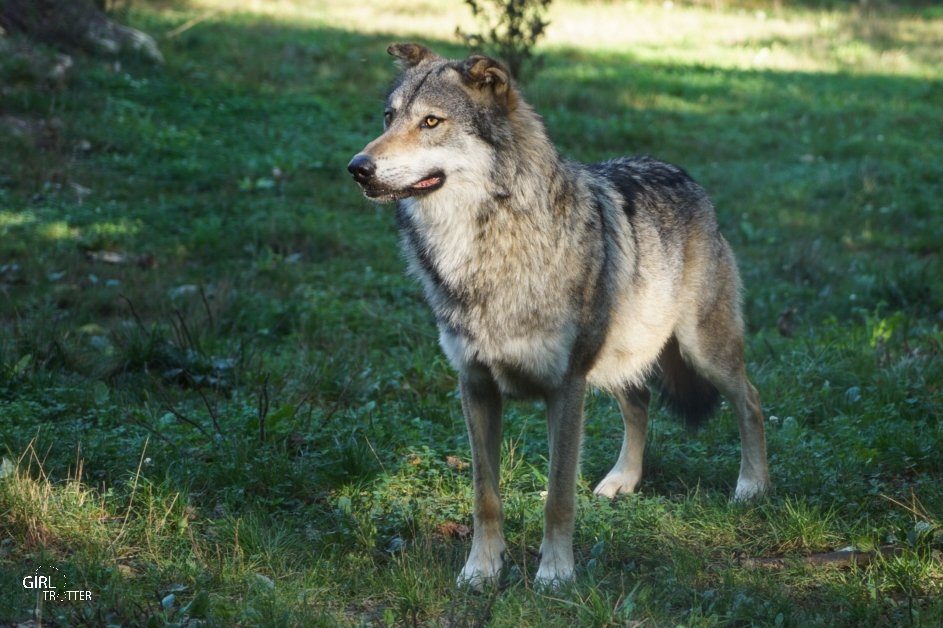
(625, 475)
(733, 383)
(754, 474)
(481, 405)
(714, 346)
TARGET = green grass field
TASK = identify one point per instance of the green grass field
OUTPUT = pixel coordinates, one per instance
(222, 402)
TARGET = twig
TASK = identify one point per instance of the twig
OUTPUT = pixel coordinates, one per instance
(239, 364)
(31, 452)
(153, 431)
(263, 408)
(305, 399)
(211, 409)
(183, 28)
(134, 312)
(206, 306)
(187, 337)
(134, 488)
(916, 508)
(181, 416)
(334, 408)
(370, 445)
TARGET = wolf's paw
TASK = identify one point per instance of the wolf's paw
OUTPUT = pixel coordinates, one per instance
(552, 578)
(556, 567)
(616, 483)
(748, 489)
(482, 567)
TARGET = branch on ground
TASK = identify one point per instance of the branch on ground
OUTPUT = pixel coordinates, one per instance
(842, 558)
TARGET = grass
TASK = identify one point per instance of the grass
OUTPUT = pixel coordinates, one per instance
(222, 402)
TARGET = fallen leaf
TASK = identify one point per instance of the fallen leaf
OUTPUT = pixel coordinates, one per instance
(127, 570)
(451, 529)
(106, 257)
(454, 462)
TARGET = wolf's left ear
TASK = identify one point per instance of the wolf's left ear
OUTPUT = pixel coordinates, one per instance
(410, 55)
(487, 74)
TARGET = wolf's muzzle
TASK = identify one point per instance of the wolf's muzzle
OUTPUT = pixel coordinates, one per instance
(362, 167)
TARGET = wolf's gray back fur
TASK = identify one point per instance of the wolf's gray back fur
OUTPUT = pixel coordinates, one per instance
(545, 275)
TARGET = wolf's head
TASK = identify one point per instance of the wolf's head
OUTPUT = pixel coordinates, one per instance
(442, 121)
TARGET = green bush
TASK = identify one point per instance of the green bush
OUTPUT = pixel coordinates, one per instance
(510, 30)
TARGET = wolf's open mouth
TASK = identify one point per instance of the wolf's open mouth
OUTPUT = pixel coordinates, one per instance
(432, 182)
(385, 195)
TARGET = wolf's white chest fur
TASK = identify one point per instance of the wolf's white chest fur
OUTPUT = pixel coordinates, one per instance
(508, 320)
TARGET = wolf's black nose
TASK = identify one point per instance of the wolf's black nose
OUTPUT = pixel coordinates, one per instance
(362, 167)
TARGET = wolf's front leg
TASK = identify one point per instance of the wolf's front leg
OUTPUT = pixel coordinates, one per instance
(565, 430)
(481, 404)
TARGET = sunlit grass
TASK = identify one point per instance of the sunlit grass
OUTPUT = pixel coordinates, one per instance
(57, 230)
(867, 40)
(10, 219)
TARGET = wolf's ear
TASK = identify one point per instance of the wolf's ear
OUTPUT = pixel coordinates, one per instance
(487, 74)
(410, 55)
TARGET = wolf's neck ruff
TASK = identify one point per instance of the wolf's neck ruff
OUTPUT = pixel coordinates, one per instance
(484, 257)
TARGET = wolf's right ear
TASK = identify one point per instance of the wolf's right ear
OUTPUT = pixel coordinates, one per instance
(487, 74)
(410, 55)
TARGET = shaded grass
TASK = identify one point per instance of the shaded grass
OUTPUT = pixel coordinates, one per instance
(305, 459)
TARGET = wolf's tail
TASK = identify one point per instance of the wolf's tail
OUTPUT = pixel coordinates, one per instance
(685, 391)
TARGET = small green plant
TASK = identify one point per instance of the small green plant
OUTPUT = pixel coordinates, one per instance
(511, 29)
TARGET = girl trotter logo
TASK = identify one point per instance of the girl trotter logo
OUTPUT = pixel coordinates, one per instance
(51, 585)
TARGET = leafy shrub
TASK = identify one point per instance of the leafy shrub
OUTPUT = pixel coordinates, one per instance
(511, 29)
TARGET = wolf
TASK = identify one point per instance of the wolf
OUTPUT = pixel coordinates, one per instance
(547, 276)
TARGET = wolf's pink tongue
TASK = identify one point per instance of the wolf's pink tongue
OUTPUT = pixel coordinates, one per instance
(427, 182)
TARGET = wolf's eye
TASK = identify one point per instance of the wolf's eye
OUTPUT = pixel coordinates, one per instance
(430, 122)
(387, 117)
